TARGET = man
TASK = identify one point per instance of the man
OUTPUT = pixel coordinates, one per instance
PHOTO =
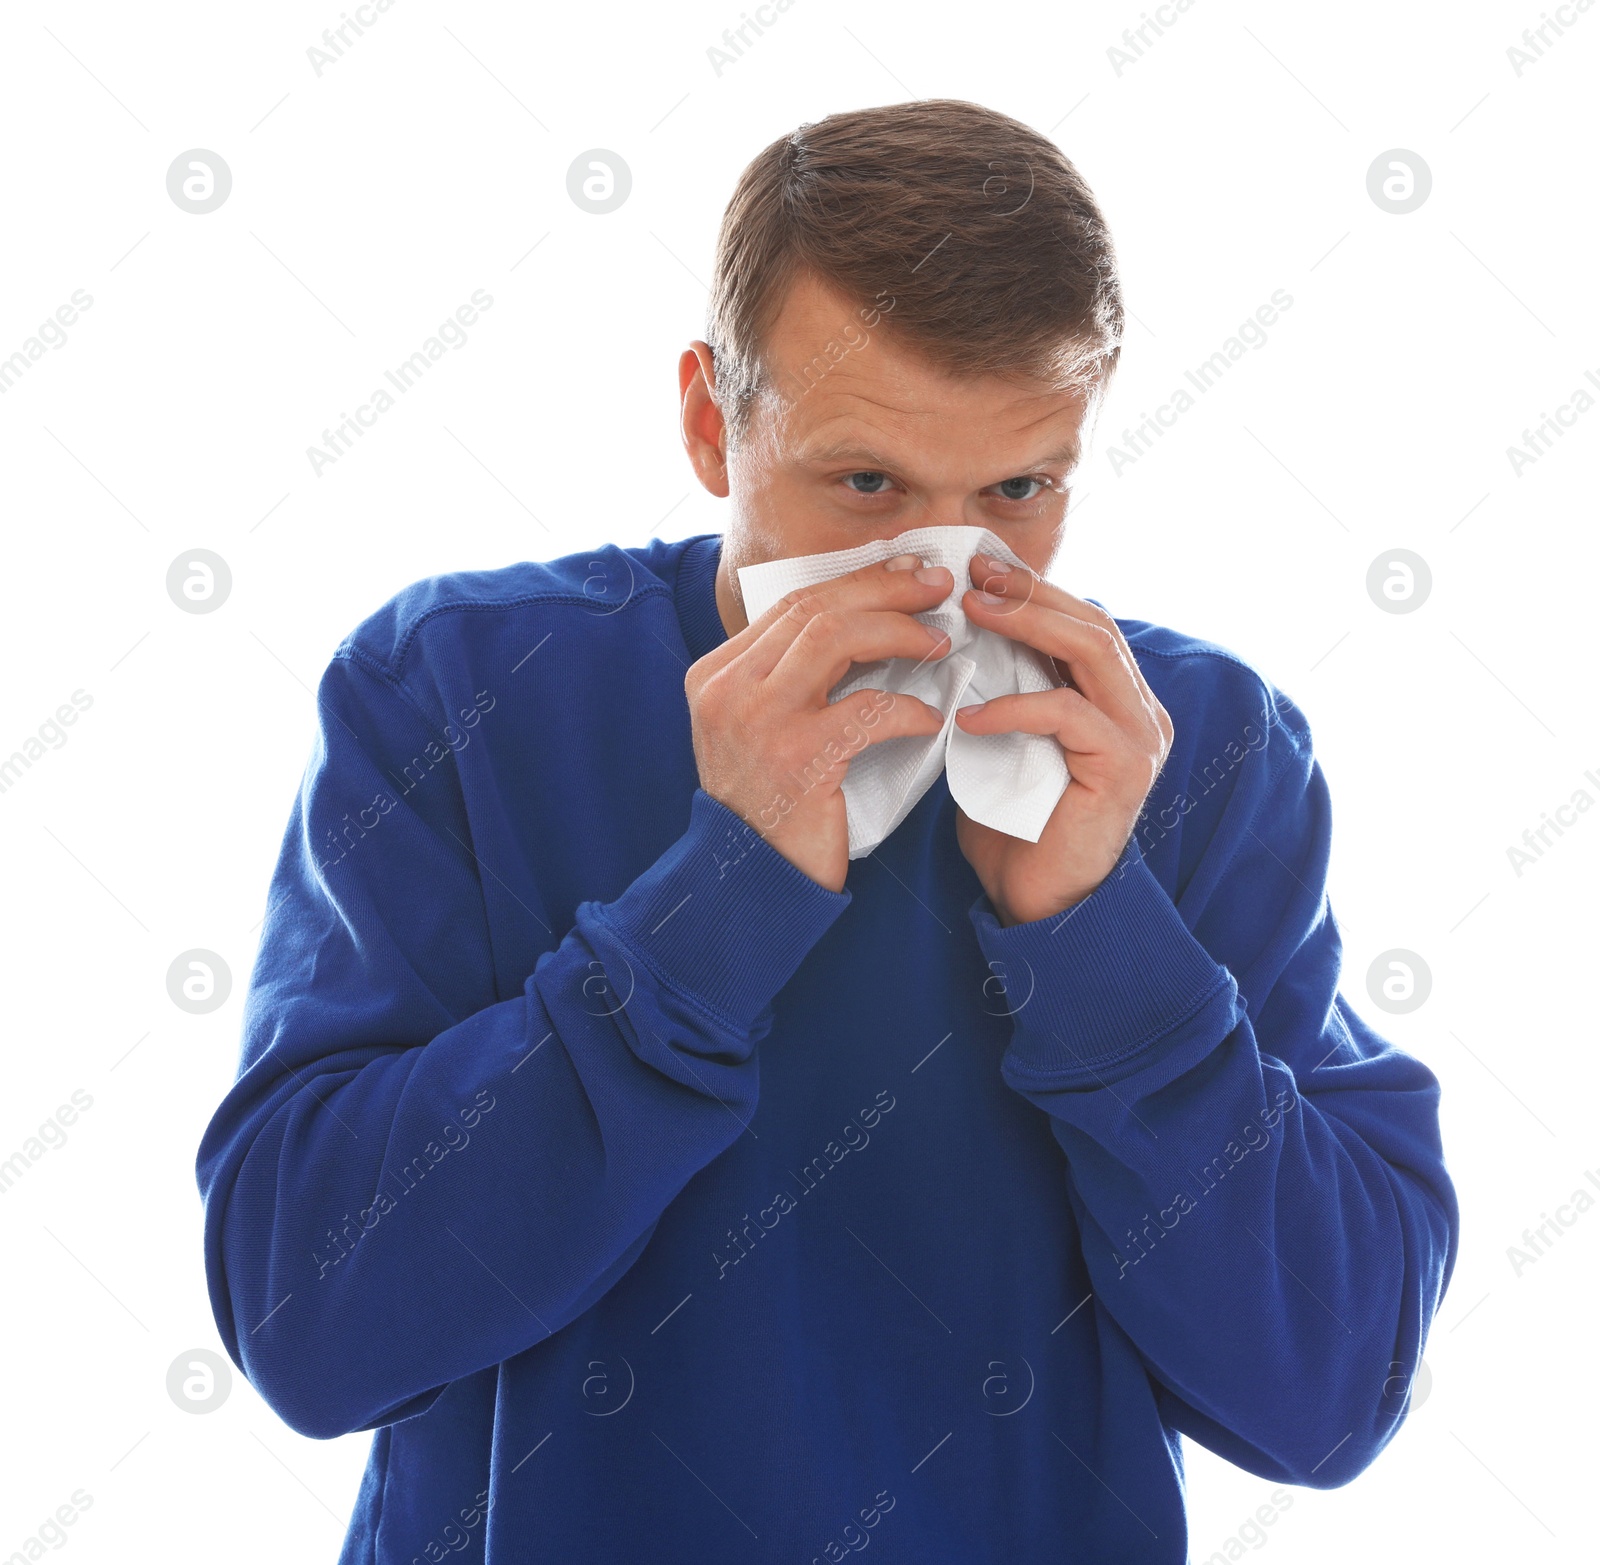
(659, 1183)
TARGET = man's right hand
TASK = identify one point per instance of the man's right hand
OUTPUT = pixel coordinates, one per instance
(767, 742)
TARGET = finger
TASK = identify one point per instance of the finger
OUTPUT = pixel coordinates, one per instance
(828, 642)
(1001, 579)
(1090, 651)
(1004, 579)
(756, 629)
(1063, 714)
(902, 585)
(829, 740)
(868, 717)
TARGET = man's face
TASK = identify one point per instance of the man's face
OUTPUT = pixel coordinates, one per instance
(860, 438)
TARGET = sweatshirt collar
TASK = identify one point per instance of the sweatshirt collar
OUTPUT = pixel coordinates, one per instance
(696, 595)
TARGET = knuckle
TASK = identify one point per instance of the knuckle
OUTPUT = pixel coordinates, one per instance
(710, 694)
(700, 676)
(838, 631)
(1094, 615)
(819, 629)
(827, 625)
(870, 706)
(802, 603)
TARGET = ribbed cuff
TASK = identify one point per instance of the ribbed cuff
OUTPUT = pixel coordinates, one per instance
(1098, 987)
(722, 916)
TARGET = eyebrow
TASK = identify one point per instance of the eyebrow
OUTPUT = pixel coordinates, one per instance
(854, 451)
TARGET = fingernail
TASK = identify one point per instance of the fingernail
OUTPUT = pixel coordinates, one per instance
(997, 567)
(967, 711)
(903, 562)
(931, 574)
(988, 599)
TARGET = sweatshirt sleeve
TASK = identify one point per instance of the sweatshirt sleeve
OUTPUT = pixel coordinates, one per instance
(1258, 1177)
(415, 1177)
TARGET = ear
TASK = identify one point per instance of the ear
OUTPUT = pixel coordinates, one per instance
(704, 432)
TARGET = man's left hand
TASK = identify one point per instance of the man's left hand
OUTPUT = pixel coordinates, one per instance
(1115, 733)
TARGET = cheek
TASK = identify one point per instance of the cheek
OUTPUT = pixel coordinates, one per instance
(1035, 544)
(781, 514)
(763, 495)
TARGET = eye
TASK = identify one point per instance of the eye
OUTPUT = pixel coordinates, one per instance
(1009, 486)
(876, 483)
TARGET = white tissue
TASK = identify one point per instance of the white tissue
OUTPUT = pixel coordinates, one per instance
(1008, 781)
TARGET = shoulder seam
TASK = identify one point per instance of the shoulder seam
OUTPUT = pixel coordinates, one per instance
(349, 652)
(1216, 654)
(395, 675)
(652, 589)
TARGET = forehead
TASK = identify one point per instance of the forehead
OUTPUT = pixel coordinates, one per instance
(842, 385)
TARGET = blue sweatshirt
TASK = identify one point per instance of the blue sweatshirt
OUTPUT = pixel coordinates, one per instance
(653, 1203)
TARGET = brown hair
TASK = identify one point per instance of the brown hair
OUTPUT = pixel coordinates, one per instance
(979, 229)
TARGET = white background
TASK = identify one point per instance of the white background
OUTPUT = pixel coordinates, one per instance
(431, 160)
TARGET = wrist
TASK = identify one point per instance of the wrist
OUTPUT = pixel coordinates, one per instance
(1008, 914)
(1063, 889)
(1008, 917)
(1105, 983)
(721, 915)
